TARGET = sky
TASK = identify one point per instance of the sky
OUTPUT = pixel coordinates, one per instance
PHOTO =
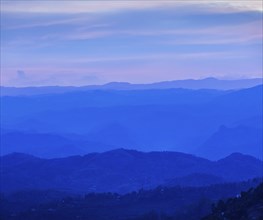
(48, 42)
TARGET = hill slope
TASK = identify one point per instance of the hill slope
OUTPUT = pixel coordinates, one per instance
(161, 203)
(249, 205)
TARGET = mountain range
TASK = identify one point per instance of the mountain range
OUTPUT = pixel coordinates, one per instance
(122, 171)
(199, 122)
(193, 142)
(207, 83)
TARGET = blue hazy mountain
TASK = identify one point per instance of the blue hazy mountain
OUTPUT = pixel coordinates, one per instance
(226, 140)
(196, 180)
(172, 119)
(121, 171)
(96, 98)
(207, 83)
(47, 145)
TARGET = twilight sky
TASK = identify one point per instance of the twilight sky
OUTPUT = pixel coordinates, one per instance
(94, 42)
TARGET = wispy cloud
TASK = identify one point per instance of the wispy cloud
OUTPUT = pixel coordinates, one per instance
(71, 7)
(66, 42)
(232, 34)
(161, 56)
(250, 30)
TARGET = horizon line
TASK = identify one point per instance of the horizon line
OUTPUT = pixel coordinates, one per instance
(130, 83)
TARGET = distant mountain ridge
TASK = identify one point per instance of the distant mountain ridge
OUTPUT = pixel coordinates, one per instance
(170, 119)
(122, 171)
(207, 83)
(47, 145)
(248, 140)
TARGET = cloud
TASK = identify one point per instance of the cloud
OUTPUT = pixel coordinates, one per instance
(120, 40)
(50, 76)
(253, 29)
(21, 75)
(72, 7)
(32, 14)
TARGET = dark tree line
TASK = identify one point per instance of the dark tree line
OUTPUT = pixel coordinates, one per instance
(161, 203)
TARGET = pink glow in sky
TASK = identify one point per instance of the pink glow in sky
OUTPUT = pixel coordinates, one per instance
(95, 42)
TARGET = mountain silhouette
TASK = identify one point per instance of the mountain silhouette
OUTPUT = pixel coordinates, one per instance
(247, 140)
(120, 171)
(47, 145)
(207, 83)
(177, 119)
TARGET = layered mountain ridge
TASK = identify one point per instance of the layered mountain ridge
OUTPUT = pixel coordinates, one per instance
(123, 171)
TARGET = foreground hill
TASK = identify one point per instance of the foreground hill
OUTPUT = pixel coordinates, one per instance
(122, 171)
(248, 205)
(161, 203)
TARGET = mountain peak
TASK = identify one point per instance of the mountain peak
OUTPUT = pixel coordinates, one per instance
(238, 157)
